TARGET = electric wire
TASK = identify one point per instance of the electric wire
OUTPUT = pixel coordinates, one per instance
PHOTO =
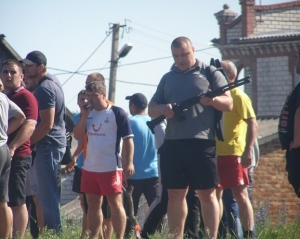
(107, 35)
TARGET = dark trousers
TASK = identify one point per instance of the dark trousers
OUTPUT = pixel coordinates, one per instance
(159, 208)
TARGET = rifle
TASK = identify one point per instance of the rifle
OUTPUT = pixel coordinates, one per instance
(184, 105)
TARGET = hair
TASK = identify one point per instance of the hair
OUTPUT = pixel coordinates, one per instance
(229, 68)
(96, 86)
(45, 68)
(180, 41)
(97, 77)
(82, 92)
(13, 62)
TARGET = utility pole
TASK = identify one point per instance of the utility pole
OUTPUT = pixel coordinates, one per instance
(113, 62)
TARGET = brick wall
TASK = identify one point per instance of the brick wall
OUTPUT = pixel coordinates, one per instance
(67, 194)
(271, 182)
(274, 82)
(277, 19)
(234, 32)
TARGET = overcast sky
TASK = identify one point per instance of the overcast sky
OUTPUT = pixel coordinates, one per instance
(72, 32)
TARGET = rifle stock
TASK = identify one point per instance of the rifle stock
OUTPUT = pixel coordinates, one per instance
(184, 105)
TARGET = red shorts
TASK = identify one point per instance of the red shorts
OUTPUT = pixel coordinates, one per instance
(231, 172)
(101, 183)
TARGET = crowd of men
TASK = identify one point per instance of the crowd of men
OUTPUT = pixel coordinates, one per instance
(182, 169)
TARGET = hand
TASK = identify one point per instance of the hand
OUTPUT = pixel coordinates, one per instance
(128, 170)
(206, 100)
(70, 166)
(85, 109)
(246, 158)
(167, 111)
(294, 145)
(11, 151)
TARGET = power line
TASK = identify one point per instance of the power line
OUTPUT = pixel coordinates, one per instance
(128, 64)
(107, 35)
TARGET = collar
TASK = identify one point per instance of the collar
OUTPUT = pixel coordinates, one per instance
(15, 90)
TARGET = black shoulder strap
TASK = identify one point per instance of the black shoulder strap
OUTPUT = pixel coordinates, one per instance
(217, 113)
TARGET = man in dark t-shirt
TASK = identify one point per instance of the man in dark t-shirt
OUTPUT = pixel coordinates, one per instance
(19, 142)
(49, 136)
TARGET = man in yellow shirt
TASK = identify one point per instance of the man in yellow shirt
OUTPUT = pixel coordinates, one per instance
(235, 153)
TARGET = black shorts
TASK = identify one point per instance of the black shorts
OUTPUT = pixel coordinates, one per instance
(17, 180)
(189, 162)
(76, 188)
(4, 172)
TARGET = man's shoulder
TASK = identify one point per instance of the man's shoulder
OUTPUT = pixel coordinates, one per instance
(22, 97)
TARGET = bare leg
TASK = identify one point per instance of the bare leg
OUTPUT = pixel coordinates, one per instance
(84, 217)
(219, 193)
(39, 213)
(118, 216)
(6, 220)
(177, 211)
(94, 216)
(107, 228)
(240, 194)
(20, 220)
(210, 211)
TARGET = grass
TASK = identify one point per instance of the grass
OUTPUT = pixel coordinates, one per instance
(264, 229)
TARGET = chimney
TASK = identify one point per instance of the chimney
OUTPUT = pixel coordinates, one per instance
(224, 17)
(248, 17)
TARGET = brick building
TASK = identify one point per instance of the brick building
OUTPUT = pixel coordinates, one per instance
(263, 41)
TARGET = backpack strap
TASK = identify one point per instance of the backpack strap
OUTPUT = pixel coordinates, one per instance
(218, 115)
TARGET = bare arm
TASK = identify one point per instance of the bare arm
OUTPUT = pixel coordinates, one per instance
(69, 167)
(127, 159)
(155, 110)
(296, 142)
(250, 140)
(222, 102)
(22, 136)
(15, 122)
(80, 128)
(46, 124)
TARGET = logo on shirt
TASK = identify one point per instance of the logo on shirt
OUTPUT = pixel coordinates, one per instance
(107, 120)
(94, 127)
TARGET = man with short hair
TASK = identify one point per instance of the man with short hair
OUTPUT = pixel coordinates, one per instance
(188, 155)
(145, 179)
(9, 111)
(235, 152)
(102, 170)
(19, 142)
(94, 77)
(49, 136)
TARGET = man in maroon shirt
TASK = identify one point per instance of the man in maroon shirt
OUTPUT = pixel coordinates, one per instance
(19, 142)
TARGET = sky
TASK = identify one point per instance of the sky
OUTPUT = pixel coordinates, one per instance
(75, 36)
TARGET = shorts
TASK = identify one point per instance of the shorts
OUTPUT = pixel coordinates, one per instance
(189, 162)
(231, 172)
(76, 180)
(17, 180)
(4, 172)
(31, 187)
(101, 183)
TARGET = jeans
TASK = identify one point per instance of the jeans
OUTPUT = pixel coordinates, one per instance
(231, 210)
(47, 161)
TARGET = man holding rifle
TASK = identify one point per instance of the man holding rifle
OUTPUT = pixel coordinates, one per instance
(188, 155)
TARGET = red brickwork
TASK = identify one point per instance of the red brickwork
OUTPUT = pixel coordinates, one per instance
(271, 182)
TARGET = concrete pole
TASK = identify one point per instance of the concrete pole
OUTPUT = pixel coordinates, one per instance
(113, 63)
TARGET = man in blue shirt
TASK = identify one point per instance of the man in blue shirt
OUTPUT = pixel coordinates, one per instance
(145, 180)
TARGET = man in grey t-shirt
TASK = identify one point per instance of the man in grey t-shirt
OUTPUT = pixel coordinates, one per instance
(188, 155)
(49, 136)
